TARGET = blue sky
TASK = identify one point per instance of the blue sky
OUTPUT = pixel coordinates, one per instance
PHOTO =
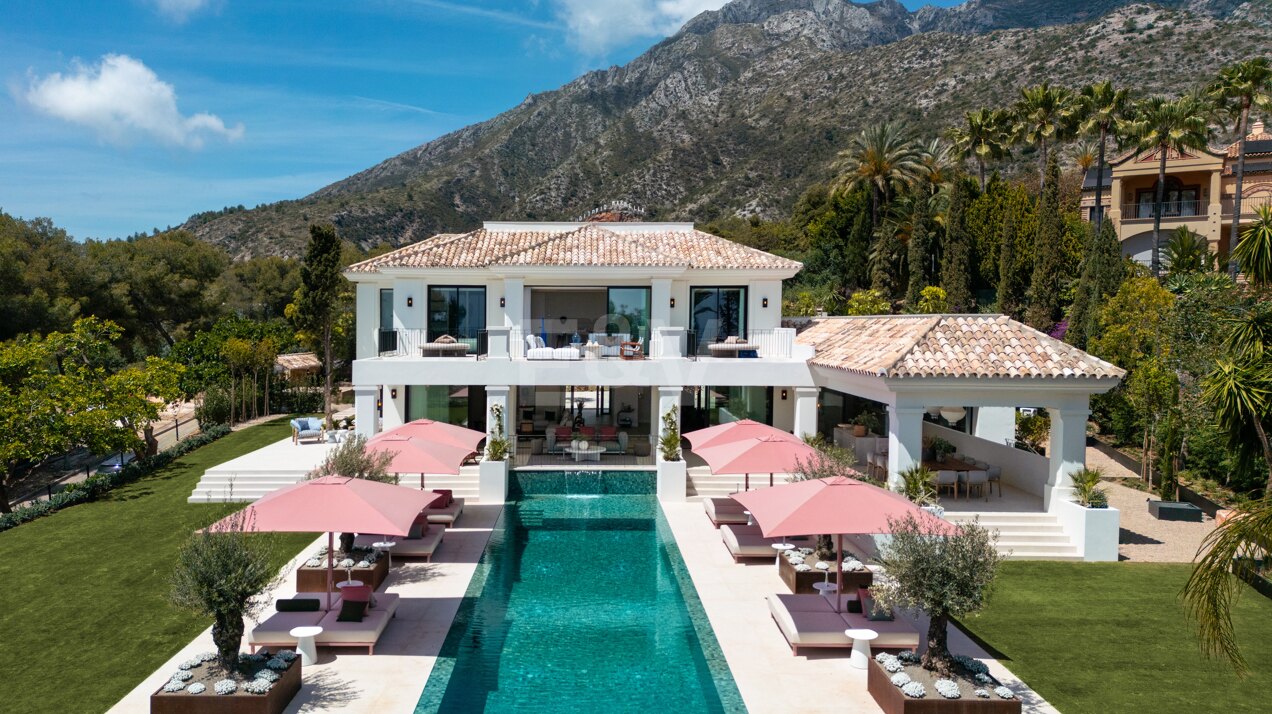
(124, 115)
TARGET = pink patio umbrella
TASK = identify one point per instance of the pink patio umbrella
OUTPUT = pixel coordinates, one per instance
(766, 454)
(436, 431)
(838, 505)
(330, 504)
(426, 446)
(735, 431)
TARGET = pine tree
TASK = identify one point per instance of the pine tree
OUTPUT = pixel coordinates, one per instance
(956, 259)
(1044, 286)
(1102, 273)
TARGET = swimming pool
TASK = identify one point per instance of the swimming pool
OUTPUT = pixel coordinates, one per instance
(581, 602)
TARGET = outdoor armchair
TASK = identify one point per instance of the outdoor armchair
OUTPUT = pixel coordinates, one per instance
(307, 428)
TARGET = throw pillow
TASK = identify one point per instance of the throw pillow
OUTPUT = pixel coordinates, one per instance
(361, 593)
(300, 604)
(417, 527)
(352, 611)
(445, 340)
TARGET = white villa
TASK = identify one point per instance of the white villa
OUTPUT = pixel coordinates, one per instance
(607, 325)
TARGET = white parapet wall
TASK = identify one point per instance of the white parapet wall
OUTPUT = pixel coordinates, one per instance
(1094, 531)
(672, 480)
(492, 481)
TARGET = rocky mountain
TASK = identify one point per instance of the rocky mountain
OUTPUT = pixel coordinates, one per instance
(746, 106)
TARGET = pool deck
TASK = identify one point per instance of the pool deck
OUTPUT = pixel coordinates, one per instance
(349, 681)
(769, 677)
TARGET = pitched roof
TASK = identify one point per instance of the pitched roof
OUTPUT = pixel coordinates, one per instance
(947, 346)
(298, 360)
(586, 244)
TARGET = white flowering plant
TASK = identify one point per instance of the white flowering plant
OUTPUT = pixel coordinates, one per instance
(182, 675)
(197, 688)
(173, 686)
(900, 679)
(914, 690)
(225, 686)
(982, 693)
(947, 688)
(1004, 693)
(268, 675)
(258, 686)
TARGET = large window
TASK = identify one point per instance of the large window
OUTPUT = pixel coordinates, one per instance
(724, 404)
(456, 311)
(388, 336)
(448, 403)
(628, 310)
(717, 314)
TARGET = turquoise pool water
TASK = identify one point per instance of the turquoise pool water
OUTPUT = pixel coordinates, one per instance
(581, 602)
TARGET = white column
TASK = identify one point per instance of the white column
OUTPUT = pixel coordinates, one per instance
(905, 441)
(364, 417)
(660, 302)
(498, 396)
(513, 295)
(367, 320)
(806, 411)
(1067, 452)
(394, 406)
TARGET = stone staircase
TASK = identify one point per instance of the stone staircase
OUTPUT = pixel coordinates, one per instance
(462, 485)
(1025, 535)
(704, 484)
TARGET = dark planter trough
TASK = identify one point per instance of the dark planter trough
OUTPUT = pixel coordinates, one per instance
(1174, 511)
(890, 699)
(272, 702)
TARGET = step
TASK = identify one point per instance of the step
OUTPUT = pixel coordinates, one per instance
(1021, 554)
(1056, 536)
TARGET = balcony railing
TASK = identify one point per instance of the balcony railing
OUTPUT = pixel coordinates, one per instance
(1170, 209)
(416, 342)
(1248, 205)
(664, 343)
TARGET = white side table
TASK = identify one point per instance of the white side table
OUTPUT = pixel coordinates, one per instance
(750, 520)
(861, 639)
(348, 584)
(781, 548)
(826, 589)
(305, 643)
(387, 547)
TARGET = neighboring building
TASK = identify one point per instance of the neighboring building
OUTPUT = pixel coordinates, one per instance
(613, 323)
(1199, 192)
(297, 366)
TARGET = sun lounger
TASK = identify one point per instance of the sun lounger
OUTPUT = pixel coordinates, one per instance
(811, 621)
(723, 510)
(422, 547)
(275, 631)
(447, 515)
(746, 545)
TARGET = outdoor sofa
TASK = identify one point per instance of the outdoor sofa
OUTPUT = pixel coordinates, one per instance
(724, 510)
(811, 621)
(447, 513)
(745, 541)
(308, 428)
(275, 630)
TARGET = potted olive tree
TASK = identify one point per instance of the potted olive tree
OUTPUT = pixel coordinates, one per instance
(865, 423)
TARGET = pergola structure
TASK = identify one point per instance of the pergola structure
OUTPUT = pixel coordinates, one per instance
(915, 363)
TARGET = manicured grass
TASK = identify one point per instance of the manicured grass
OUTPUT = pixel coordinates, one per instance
(1113, 637)
(84, 595)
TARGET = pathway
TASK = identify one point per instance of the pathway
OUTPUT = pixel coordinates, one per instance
(769, 677)
(391, 681)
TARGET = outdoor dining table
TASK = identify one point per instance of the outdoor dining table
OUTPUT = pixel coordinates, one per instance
(949, 464)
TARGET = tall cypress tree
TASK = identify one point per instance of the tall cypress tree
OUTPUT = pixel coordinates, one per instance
(1102, 272)
(919, 251)
(317, 307)
(956, 252)
(884, 260)
(1044, 286)
(1008, 284)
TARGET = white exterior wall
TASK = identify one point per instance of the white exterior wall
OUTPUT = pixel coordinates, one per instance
(759, 317)
(414, 317)
(996, 424)
(368, 319)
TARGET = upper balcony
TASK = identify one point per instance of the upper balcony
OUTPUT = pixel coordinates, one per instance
(536, 345)
(1171, 211)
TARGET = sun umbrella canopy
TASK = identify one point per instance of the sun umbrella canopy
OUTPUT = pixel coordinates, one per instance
(333, 503)
(735, 431)
(838, 505)
(435, 432)
(767, 455)
(414, 455)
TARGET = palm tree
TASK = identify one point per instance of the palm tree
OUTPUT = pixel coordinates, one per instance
(982, 136)
(1099, 107)
(1187, 252)
(936, 164)
(1240, 87)
(1042, 115)
(1162, 125)
(1254, 252)
(881, 157)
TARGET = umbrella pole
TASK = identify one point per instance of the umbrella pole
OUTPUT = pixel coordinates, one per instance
(770, 480)
(331, 538)
(839, 569)
(748, 481)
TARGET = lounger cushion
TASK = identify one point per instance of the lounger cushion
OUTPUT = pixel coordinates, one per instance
(893, 634)
(352, 611)
(746, 545)
(804, 627)
(724, 510)
(276, 629)
(336, 631)
(359, 593)
(424, 546)
(447, 515)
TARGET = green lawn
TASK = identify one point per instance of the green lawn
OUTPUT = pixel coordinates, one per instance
(84, 600)
(1112, 637)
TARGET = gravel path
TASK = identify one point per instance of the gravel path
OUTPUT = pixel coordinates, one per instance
(1146, 539)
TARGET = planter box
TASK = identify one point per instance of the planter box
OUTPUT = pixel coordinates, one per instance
(802, 582)
(1207, 506)
(314, 580)
(273, 702)
(892, 701)
(492, 481)
(672, 480)
(1174, 511)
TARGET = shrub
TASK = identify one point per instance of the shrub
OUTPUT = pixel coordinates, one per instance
(669, 442)
(258, 686)
(214, 408)
(917, 485)
(867, 302)
(947, 688)
(268, 675)
(900, 679)
(174, 685)
(225, 686)
(497, 447)
(1004, 693)
(197, 688)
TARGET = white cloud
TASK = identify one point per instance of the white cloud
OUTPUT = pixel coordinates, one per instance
(598, 27)
(122, 100)
(179, 10)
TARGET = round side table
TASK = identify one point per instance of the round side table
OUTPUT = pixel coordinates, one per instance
(387, 547)
(750, 520)
(305, 643)
(860, 647)
(781, 548)
(340, 586)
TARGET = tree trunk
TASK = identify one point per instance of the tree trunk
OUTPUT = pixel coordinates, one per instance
(233, 404)
(346, 542)
(256, 394)
(227, 634)
(1235, 234)
(1042, 163)
(4, 495)
(1157, 211)
(981, 162)
(937, 657)
(268, 372)
(326, 355)
(1099, 182)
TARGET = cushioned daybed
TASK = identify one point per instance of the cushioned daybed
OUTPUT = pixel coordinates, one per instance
(445, 515)
(422, 547)
(811, 621)
(745, 541)
(724, 510)
(275, 631)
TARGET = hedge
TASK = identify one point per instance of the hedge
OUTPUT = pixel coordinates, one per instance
(98, 484)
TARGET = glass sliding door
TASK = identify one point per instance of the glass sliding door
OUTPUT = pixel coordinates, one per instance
(717, 314)
(457, 404)
(628, 312)
(388, 336)
(457, 311)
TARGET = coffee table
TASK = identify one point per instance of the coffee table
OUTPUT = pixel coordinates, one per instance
(861, 639)
(591, 453)
(305, 643)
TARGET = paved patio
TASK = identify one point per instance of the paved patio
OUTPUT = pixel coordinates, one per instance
(391, 680)
(769, 677)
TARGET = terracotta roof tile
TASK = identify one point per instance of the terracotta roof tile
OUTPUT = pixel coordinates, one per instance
(947, 346)
(583, 245)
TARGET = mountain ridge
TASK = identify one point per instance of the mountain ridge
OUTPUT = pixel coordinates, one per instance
(741, 110)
